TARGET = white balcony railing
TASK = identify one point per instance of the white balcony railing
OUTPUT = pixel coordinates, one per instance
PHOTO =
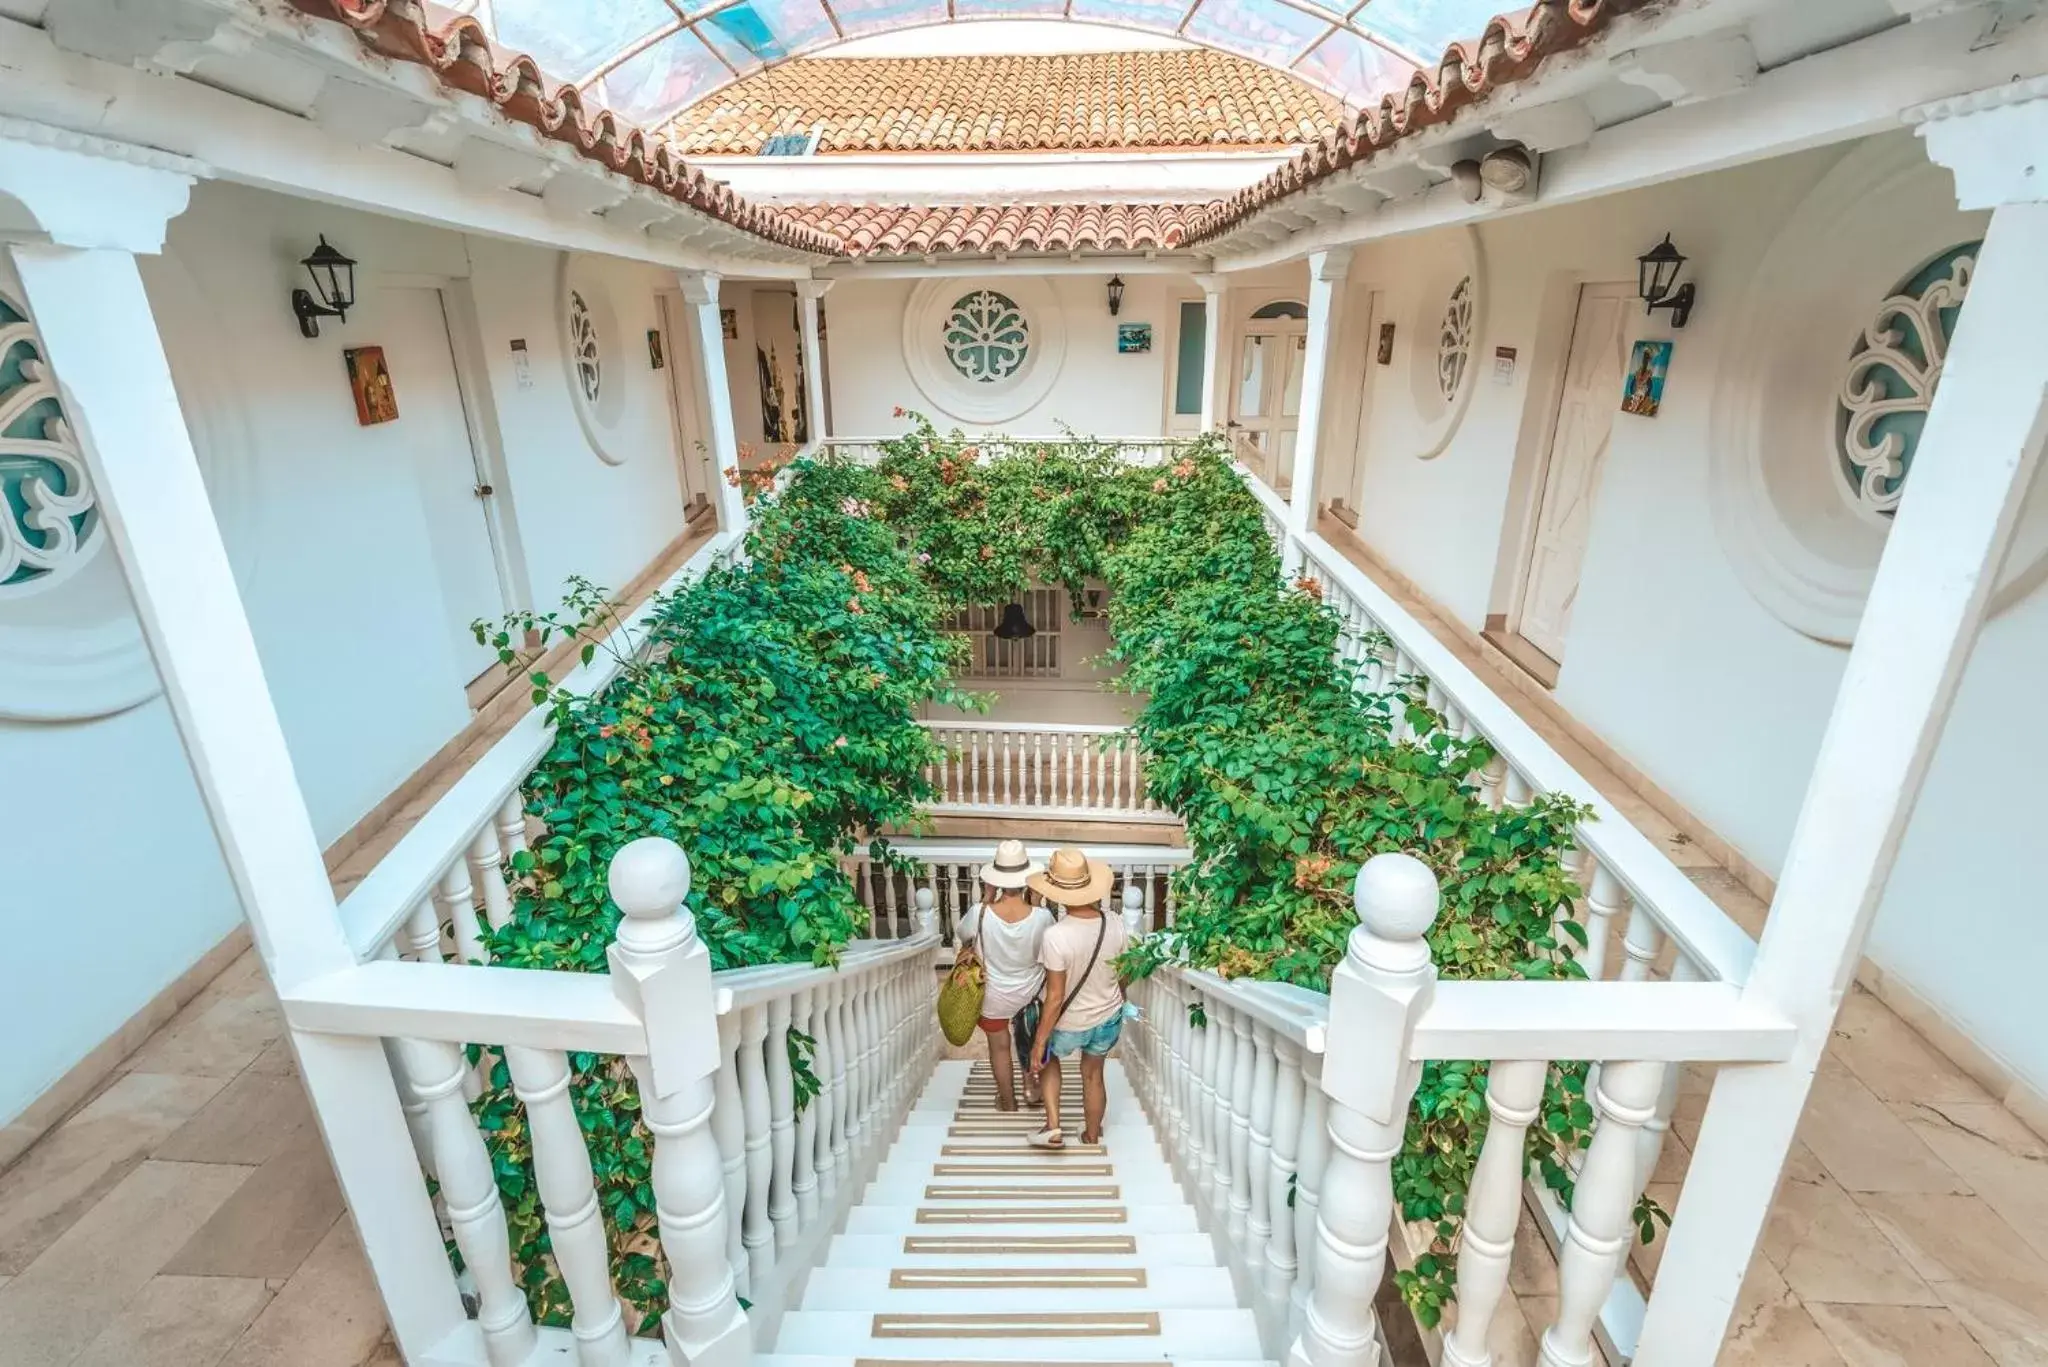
(1056, 770)
(945, 876)
(1133, 450)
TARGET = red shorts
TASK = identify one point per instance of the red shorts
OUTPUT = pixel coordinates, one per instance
(993, 1027)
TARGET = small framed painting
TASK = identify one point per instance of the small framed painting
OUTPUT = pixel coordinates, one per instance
(1133, 338)
(1643, 390)
(369, 380)
(655, 359)
(1386, 351)
(729, 324)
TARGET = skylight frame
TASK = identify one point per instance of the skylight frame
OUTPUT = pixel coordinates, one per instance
(1331, 18)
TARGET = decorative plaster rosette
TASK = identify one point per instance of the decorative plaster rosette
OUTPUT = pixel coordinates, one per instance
(1828, 363)
(984, 351)
(592, 351)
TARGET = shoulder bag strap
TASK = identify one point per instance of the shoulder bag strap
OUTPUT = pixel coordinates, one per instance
(1093, 955)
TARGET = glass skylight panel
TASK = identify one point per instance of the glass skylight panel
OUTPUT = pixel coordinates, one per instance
(650, 87)
(570, 41)
(1424, 28)
(760, 31)
(1359, 70)
(874, 16)
(1263, 30)
(1009, 9)
(1161, 16)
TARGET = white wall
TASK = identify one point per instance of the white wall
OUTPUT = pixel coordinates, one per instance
(339, 535)
(1098, 391)
(1669, 657)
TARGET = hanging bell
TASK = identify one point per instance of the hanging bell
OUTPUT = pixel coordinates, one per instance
(1014, 626)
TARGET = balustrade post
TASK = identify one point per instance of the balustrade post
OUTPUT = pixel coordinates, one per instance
(1279, 1270)
(1603, 1199)
(781, 1125)
(512, 824)
(487, 865)
(1308, 1186)
(803, 1182)
(659, 967)
(1605, 900)
(729, 1131)
(827, 1099)
(1133, 906)
(842, 1087)
(757, 1235)
(1258, 1226)
(1241, 1079)
(1377, 994)
(1514, 1092)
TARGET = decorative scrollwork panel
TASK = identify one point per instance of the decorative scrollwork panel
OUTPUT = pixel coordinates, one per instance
(1454, 341)
(49, 519)
(987, 336)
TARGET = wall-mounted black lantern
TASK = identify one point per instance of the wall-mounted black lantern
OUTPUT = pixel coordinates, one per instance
(1657, 273)
(1116, 295)
(334, 276)
(1014, 626)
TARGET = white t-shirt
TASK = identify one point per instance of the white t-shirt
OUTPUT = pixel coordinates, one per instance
(1066, 948)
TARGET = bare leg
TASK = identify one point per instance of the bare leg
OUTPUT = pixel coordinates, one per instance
(1049, 1091)
(999, 1064)
(1094, 1098)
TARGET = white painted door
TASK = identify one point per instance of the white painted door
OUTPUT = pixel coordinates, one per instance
(1587, 402)
(1266, 399)
(1340, 485)
(411, 325)
(694, 462)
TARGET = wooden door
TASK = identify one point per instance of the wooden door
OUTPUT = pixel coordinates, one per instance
(1344, 473)
(1587, 401)
(1265, 399)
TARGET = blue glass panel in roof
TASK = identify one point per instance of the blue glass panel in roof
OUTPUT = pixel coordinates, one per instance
(651, 86)
(571, 41)
(873, 16)
(1263, 30)
(1424, 28)
(1161, 16)
(1359, 70)
(760, 31)
(1009, 9)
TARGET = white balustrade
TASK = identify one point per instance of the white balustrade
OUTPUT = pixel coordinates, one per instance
(947, 881)
(1055, 770)
(1145, 451)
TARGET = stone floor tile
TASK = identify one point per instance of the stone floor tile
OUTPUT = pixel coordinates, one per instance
(178, 1322)
(1863, 1145)
(1984, 1271)
(1727, 891)
(83, 1159)
(276, 1060)
(1532, 1268)
(267, 1228)
(2004, 1161)
(250, 1122)
(1518, 1329)
(327, 1315)
(1890, 1058)
(1771, 1328)
(1897, 1336)
(67, 1296)
(217, 1034)
(1827, 1249)
(385, 1354)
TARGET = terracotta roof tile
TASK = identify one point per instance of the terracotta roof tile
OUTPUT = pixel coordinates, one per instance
(1012, 103)
(1513, 46)
(462, 57)
(912, 230)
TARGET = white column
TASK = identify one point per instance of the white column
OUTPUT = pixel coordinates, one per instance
(700, 292)
(1977, 456)
(809, 294)
(1326, 272)
(100, 338)
(1215, 295)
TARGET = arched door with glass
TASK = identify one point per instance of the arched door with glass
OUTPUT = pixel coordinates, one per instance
(1265, 391)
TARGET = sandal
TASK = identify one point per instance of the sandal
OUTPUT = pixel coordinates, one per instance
(1049, 1139)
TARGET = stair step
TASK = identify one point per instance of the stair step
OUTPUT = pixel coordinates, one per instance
(1079, 1284)
(869, 1218)
(1038, 1334)
(1097, 1360)
(1039, 1248)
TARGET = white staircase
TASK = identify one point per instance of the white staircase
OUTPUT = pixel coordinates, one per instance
(970, 1246)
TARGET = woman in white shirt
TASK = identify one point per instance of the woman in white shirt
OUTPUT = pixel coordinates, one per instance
(1006, 930)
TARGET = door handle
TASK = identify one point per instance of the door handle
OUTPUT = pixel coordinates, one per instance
(484, 491)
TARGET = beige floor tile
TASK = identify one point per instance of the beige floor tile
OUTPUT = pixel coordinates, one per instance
(2005, 1162)
(1532, 1268)
(267, 1228)
(327, 1315)
(67, 1296)
(1897, 1336)
(1771, 1328)
(251, 1121)
(1891, 1059)
(218, 1034)
(1827, 1249)
(1996, 1284)
(1517, 1328)
(178, 1322)
(1863, 1145)
(83, 1159)
(276, 1060)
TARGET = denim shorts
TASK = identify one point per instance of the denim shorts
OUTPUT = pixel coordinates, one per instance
(1096, 1040)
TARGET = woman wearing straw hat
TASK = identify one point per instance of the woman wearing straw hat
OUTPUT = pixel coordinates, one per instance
(1084, 999)
(1005, 931)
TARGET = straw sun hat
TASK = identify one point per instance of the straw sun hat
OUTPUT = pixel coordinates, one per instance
(1072, 879)
(1011, 867)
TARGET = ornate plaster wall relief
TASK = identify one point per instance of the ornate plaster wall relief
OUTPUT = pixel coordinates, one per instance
(593, 356)
(984, 351)
(1449, 313)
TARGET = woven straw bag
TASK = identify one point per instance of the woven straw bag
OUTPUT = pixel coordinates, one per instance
(960, 998)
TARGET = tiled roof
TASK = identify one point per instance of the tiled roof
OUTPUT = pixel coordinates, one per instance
(1511, 49)
(914, 230)
(1013, 103)
(462, 57)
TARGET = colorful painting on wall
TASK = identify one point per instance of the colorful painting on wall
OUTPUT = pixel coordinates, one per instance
(1133, 339)
(655, 359)
(369, 379)
(1386, 352)
(729, 324)
(1643, 390)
